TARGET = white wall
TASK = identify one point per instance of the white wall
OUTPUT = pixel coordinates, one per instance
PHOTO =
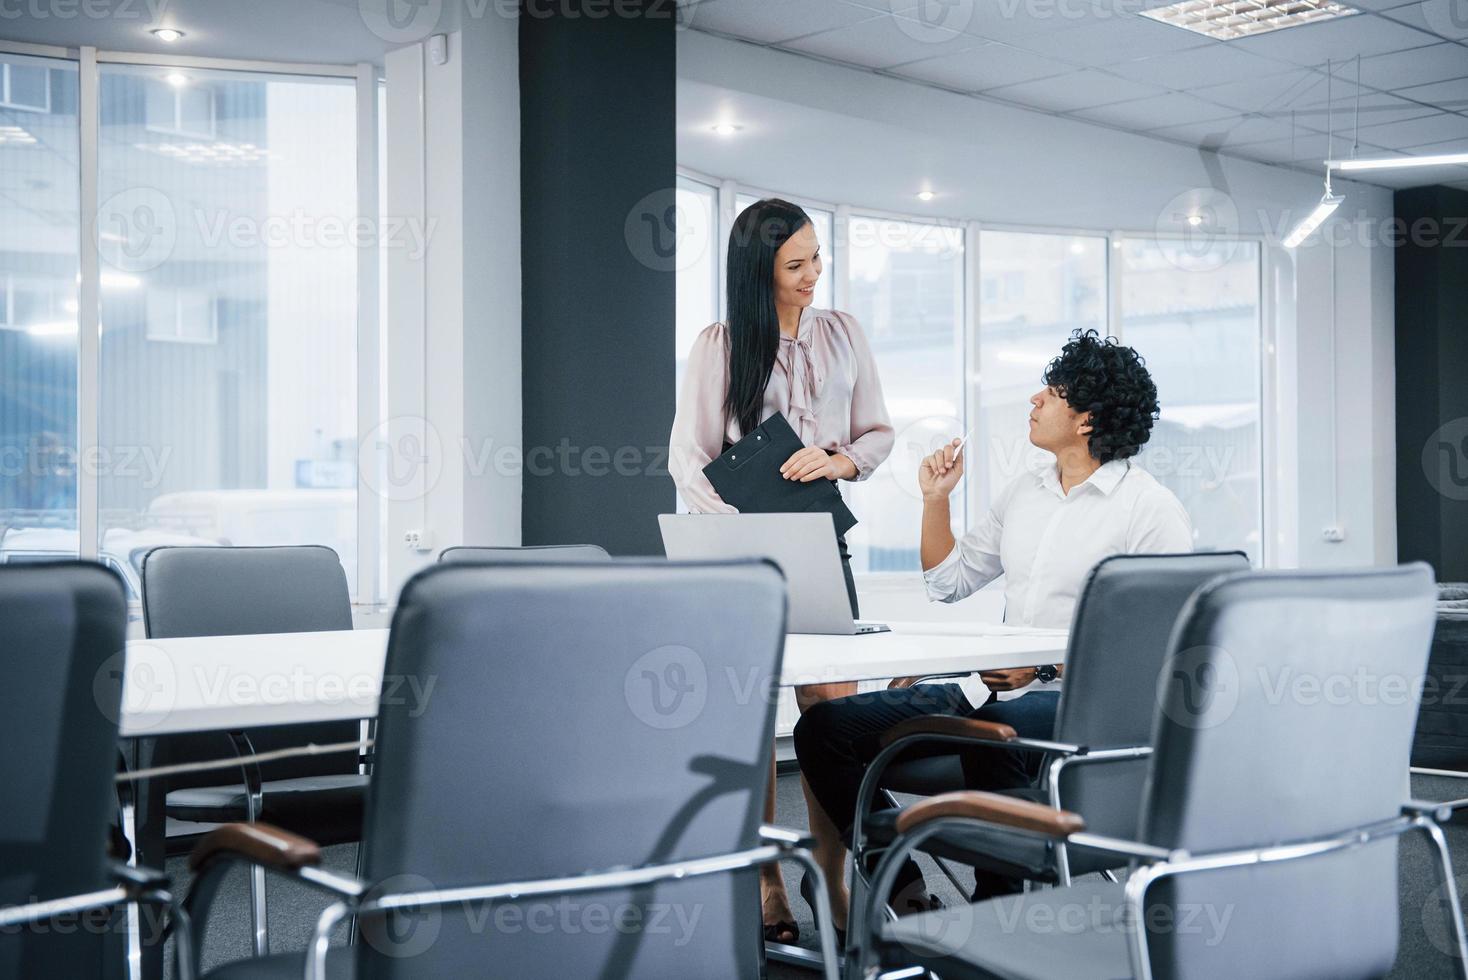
(453, 327)
(846, 136)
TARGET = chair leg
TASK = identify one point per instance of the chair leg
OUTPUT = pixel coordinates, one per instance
(259, 936)
(1454, 909)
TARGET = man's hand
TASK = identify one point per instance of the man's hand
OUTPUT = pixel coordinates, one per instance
(813, 463)
(1007, 680)
(939, 473)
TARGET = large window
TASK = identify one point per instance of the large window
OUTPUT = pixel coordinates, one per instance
(228, 371)
(227, 240)
(1193, 309)
(906, 290)
(1034, 289)
(39, 221)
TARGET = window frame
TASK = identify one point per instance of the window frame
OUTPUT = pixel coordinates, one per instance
(87, 61)
(176, 93)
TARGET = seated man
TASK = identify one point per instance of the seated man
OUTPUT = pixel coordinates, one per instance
(1044, 533)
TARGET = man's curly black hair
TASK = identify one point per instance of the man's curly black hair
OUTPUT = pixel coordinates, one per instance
(1098, 375)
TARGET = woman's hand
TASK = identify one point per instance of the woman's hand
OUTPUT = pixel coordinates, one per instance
(1008, 680)
(812, 463)
(939, 473)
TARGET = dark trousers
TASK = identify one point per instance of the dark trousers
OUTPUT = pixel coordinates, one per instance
(836, 740)
(845, 554)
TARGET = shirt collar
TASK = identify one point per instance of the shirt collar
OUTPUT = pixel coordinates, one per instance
(1105, 479)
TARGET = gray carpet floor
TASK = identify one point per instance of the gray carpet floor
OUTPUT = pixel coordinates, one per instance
(1421, 956)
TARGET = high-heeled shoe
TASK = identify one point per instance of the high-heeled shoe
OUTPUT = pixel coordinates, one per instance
(808, 892)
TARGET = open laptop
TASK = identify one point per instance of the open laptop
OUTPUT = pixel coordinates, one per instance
(803, 545)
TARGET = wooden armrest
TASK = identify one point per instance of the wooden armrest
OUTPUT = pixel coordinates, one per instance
(898, 683)
(988, 731)
(258, 843)
(992, 808)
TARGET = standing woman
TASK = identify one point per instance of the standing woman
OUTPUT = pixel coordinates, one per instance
(776, 353)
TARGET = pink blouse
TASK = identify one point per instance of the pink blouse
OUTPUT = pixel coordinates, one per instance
(824, 382)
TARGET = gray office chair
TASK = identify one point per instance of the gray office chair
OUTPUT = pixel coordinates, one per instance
(63, 626)
(1263, 802)
(643, 691)
(529, 554)
(239, 591)
(1116, 649)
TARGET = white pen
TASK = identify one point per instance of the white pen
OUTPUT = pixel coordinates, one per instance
(961, 443)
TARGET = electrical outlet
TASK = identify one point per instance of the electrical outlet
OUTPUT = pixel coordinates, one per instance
(418, 540)
(1334, 533)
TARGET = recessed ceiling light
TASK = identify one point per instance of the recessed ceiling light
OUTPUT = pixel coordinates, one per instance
(1224, 20)
(726, 129)
(176, 79)
(166, 34)
(1194, 220)
(925, 195)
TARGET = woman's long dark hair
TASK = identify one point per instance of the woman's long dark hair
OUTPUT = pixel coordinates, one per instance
(753, 324)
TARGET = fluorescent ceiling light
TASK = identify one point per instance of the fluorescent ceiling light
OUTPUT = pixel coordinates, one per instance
(167, 34)
(1314, 220)
(1392, 163)
(1224, 20)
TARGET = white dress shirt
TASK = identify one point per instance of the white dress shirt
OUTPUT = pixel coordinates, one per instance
(1045, 541)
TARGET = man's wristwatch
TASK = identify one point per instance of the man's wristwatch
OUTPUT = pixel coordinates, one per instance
(1045, 673)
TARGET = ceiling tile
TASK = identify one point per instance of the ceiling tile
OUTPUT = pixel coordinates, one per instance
(1445, 18)
(1076, 90)
(1427, 129)
(1433, 63)
(1346, 37)
(1184, 70)
(1451, 94)
(882, 42)
(1172, 109)
(1342, 116)
(771, 21)
(1278, 92)
(987, 66)
(1112, 40)
(1235, 131)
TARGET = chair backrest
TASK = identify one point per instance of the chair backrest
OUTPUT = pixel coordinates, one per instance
(1118, 644)
(62, 629)
(1287, 714)
(543, 554)
(212, 591)
(581, 717)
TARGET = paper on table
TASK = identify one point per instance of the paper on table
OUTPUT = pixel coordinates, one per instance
(972, 629)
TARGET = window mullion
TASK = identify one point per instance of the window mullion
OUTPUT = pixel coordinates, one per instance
(89, 340)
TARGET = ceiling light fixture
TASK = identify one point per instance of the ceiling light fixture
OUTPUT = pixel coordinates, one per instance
(1392, 163)
(1194, 220)
(176, 79)
(925, 195)
(1225, 20)
(726, 129)
(1315, 219)
(168, 34)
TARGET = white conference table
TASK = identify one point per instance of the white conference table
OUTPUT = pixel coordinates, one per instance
(212, 683)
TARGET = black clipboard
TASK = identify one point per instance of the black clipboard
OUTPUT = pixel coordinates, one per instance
(747, 476)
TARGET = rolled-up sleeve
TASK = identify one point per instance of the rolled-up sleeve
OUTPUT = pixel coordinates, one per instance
(698, 425)
(871, 426)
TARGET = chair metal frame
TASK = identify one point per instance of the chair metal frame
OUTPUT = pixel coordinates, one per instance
(1152, 864)
(778, 843)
